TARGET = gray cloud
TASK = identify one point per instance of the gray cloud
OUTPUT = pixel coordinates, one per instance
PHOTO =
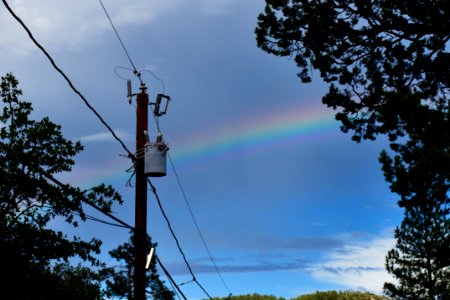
(252, 264)
(270, 243)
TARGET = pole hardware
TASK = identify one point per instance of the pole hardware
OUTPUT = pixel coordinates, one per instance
(157, 105)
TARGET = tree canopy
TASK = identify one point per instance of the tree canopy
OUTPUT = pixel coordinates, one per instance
(387, 64)
(323, 295)
(420, 260)
(34, 257)
(251, 297)
(119, 280)
(340, 295)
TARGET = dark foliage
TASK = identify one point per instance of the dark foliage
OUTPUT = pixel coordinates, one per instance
(33, 256)
(387, 64)
(250, 297)
(120, 278)
(327, 295)
(420, 259)
(340, 295)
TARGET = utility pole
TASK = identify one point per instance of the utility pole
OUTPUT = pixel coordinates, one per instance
(140, 234)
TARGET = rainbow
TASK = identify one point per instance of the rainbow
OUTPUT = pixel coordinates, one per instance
(259, 133)
(239, 138)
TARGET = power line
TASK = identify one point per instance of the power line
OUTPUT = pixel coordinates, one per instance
(105, 222)
(170, 278)
(196, 224)
(130, 154)
(157, 78)
(67, 79)
(64, 186)
(136, 72)
(176, 239)
(174, 290)
(125, 225)
(188, 205)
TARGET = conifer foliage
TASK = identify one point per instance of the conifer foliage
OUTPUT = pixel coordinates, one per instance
(420, 260)
(387, 64)
(120, 278)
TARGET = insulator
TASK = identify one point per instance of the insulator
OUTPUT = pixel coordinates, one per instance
(129, 90)
(157, 104)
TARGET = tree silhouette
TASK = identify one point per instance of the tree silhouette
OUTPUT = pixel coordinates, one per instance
(120, 283)
(32, 255)
(387, 64)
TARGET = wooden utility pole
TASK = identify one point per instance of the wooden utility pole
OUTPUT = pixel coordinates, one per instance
(140, 234)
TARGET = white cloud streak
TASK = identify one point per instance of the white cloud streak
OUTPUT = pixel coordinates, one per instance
(105, 136)
(358, 266)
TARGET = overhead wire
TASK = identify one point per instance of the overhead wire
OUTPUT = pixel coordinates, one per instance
(130, 155)
(91, 218)
(158, 200)
(122, 68)
(105, 222)
(174, 290)
(196, 225)
(136, 72)
(124, 225)
(93, 205)
(189, 206)
(157, 78)
(170, 278)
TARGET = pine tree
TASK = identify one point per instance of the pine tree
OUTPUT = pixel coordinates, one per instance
(420, 260)
(387, 64)
(120, 282)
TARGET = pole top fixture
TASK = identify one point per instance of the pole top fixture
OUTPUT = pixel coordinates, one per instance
(143, 87)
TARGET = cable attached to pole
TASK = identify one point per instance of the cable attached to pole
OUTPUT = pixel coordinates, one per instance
(170, 278)
(135, 71)
(196, 225)
(130, 154)
(176, 239)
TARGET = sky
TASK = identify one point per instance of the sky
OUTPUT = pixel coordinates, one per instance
(286, 202)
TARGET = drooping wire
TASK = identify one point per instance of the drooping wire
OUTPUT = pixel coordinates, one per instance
(64, 187)
(122, 68)
(190, 210)
(157, 78)
(170, 278)
(130, 155)
(91, 218)
(175, 291)
(196, 224)
(153, 188)
(136, 72)
(186, 283)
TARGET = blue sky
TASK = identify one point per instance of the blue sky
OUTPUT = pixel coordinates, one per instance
(283, 212)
